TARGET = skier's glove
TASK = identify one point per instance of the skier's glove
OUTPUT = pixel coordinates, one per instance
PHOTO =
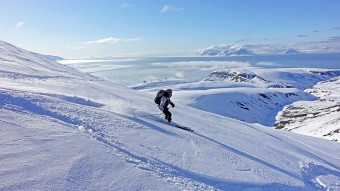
(172, 104)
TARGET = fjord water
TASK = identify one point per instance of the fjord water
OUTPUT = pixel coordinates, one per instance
(134, 71)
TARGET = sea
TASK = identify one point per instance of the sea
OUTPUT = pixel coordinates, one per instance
(131, 71)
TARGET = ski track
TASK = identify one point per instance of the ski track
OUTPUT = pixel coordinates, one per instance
(165, 171)
(104, 127)
(53, 107)
(310, 172)
(185, 179)
(239, 158)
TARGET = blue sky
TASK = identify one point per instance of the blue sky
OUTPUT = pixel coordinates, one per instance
(85, 28)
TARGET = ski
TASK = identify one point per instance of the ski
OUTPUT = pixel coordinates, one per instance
(153, 117)
(181, 127)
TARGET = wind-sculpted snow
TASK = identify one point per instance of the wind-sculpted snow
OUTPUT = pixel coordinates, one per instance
(232, 76)
(78, 132)
(245, 105)
(320, 117)
(319, 177)
(275, 78)
(242, 93)
(173, 165)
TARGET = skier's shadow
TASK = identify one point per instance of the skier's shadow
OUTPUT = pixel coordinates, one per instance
(152, 126)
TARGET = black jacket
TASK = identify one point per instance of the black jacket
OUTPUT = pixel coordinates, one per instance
(165, 101)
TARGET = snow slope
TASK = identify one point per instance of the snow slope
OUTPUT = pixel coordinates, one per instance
(65, 130)
(319, 118)
(241, 93)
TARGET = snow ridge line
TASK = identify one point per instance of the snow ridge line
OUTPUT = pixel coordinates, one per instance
(311, 146)
(24, 103)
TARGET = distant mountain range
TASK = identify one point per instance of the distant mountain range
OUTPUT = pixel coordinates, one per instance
(242, 50)
(291, 51)
(222, 50)
(257, 95)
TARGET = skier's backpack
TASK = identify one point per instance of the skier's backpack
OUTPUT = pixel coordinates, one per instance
(158, 97)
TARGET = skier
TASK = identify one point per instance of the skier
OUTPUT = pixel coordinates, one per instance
(163, 100)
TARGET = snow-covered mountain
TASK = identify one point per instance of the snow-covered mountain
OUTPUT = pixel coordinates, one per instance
(222, 75)
(65, 130)
(248, 50)
(319, 118)
(290, 51)
(274, 78)
(236, 51)
(242, 93)
(224, 50)
(53, 58)
(214, 50)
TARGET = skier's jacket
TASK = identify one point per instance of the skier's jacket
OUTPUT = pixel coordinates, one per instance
(162, 99)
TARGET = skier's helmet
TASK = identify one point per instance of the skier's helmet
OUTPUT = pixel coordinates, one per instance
(169, 91)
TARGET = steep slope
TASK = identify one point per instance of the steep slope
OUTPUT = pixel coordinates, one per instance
(253, 95)
(319, 118)
(27, 71)
(274, 78)
(65, 130)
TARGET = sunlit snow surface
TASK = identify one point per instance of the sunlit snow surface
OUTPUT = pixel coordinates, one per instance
(65, 130)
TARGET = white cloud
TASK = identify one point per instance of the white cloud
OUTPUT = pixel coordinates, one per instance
(98, 62)
(327, 46)
(112, 40)
(179, 75)
(20, 24)
(267, 48)
(170, 8)
(202, 65)
(267, 64)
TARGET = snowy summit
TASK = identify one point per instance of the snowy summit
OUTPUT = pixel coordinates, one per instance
(290, 51)
(224, 50)
(65, 130)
